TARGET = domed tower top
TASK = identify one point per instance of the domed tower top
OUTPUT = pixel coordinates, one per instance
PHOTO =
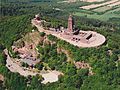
(37, 16)
(70, 17)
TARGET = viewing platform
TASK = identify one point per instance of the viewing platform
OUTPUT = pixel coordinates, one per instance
(81, 39)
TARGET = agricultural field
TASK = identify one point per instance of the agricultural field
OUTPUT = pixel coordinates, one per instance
(103, 17)
(71, 1)
(92, 0)
(92, 6)
(102, 11)
(61, 9)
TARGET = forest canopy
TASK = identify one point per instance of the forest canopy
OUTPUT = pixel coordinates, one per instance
(15, 23)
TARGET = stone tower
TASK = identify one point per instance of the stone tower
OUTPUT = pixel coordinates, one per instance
(70, 24)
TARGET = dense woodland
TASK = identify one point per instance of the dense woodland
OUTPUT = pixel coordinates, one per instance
(15, 22)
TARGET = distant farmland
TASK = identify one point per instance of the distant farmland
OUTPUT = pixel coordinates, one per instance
(103, 17)
(92, 6)
(102, 11)
(97, 9)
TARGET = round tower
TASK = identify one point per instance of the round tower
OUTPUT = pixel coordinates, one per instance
(70, 24)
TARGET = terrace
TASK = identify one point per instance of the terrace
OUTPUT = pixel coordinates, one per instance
(83, 39)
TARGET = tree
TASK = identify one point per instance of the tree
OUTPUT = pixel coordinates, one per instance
(39, 66)
(42, 34)
(36, 83)
(25, 65)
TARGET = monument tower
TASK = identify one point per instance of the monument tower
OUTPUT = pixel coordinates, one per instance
(70, 24)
